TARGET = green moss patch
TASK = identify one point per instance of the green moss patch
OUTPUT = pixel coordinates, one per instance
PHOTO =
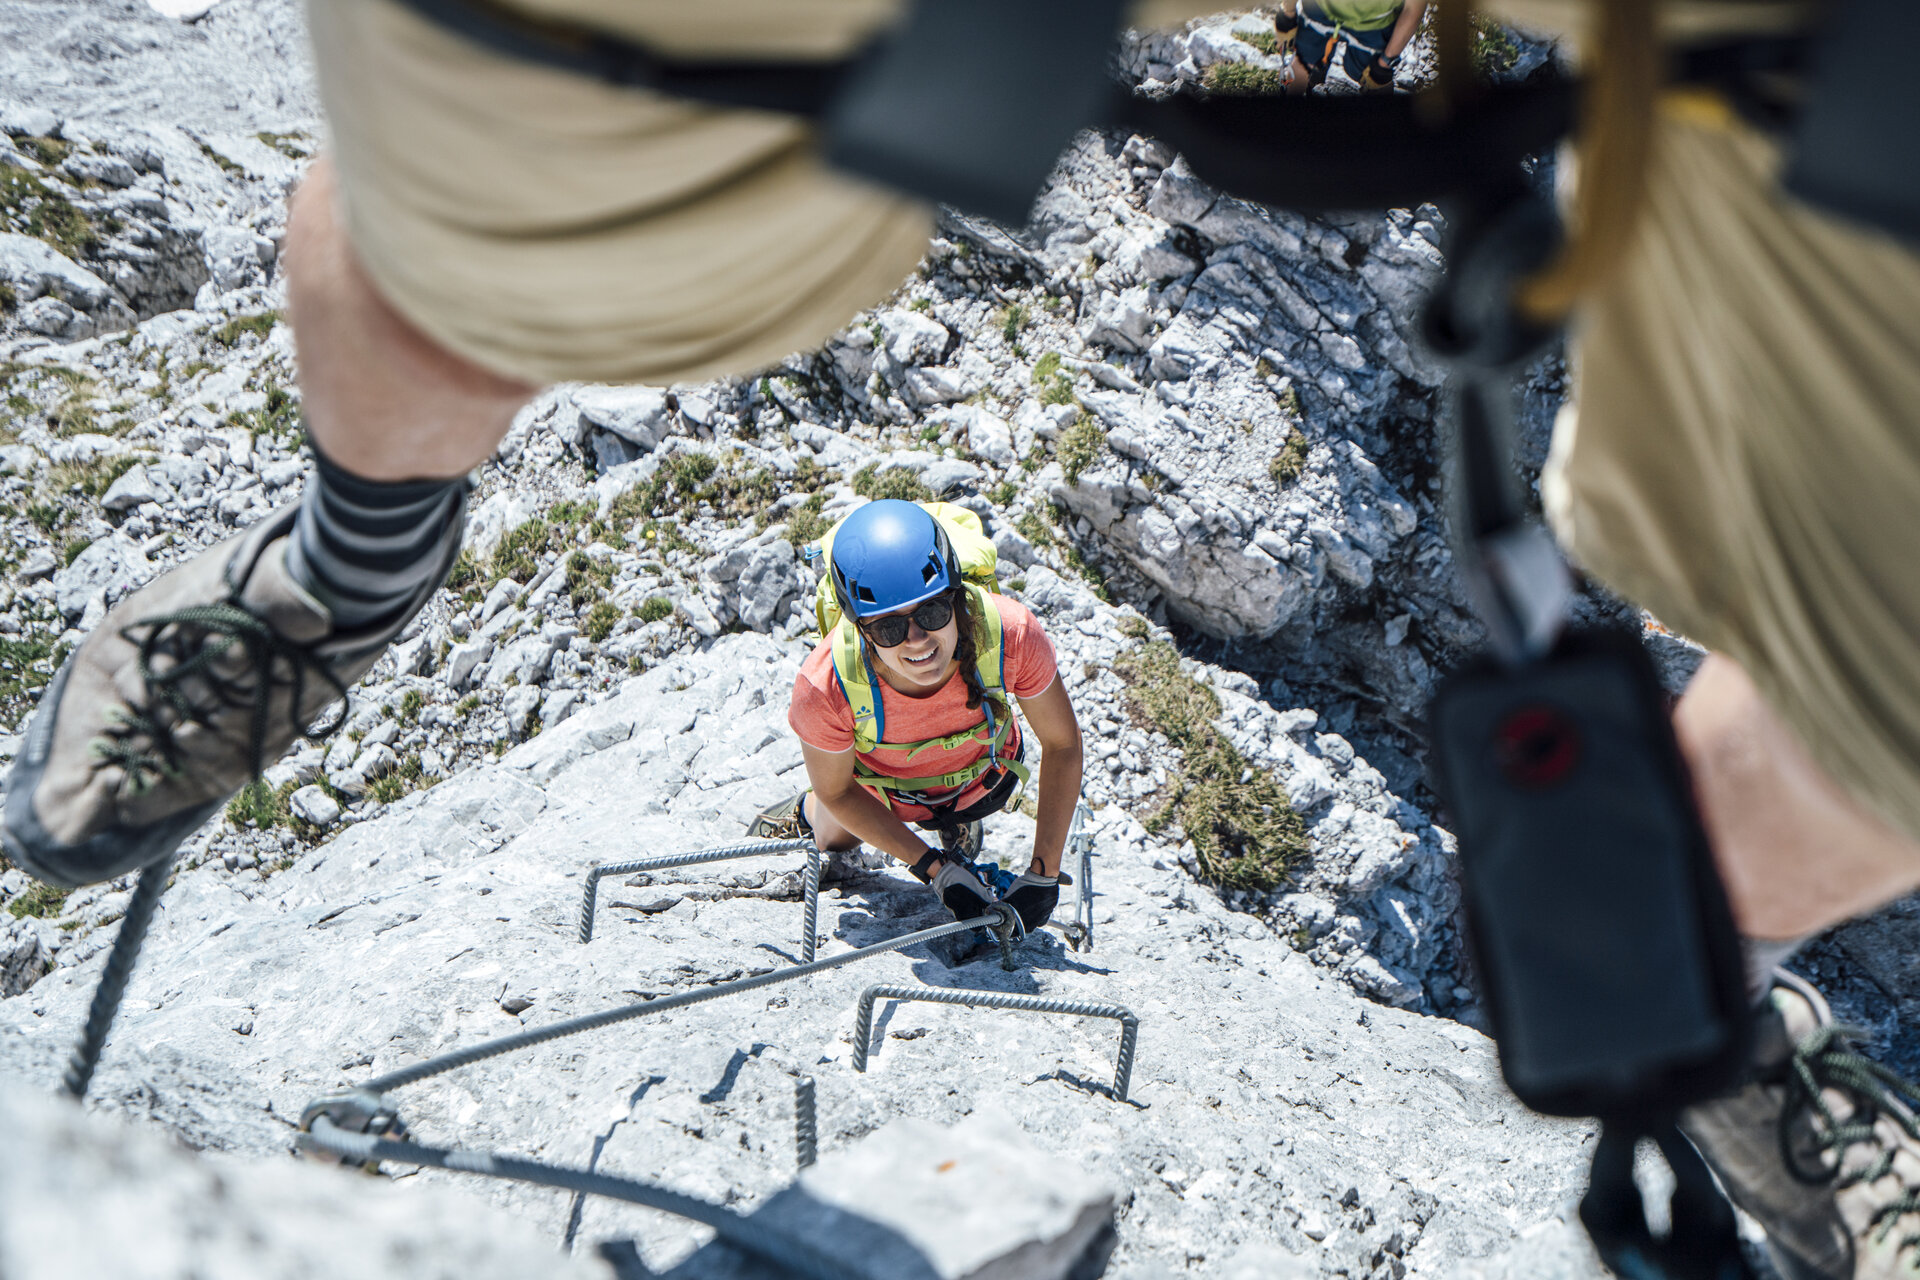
(1079, 447)
(1239, 818)
(1289, 462)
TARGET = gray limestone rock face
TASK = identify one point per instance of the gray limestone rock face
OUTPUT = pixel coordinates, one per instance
(641, 416)
(53, 318)
(976, 1201)
(236, 256)
(32, 268)
(88, 1195)
(130, 490)
(24, 955)
(1270, 1105)
(311, 804)
(109, 567)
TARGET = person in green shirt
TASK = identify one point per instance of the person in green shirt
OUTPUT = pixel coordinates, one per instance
(1370, 35)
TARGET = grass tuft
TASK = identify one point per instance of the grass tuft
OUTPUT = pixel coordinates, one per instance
(261, 805)
(1079, 447)
(1494, 51)
(600, 620)
(1289, 462)
(41, 901)
(1240, 819)
(1241, 79)
(895, 482)
(259, 324)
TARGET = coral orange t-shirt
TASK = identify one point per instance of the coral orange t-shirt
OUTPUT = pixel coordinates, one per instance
(822, 719)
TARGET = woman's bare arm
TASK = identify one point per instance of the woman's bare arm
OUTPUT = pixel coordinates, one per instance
(853, 807)
(1050, 715)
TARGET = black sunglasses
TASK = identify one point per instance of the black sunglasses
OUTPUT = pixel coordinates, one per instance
(891, 630)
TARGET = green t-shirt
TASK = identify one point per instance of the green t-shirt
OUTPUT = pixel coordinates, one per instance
(1362, 15)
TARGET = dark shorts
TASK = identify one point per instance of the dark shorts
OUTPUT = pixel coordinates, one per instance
(1319, 34)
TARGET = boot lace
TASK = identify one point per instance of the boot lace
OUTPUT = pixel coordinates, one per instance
(221, 628)
(1826, 1060)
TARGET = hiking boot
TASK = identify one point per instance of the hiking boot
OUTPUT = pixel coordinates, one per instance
(1821, 1147)
(186, 690)
(963, 843)
(786, 820)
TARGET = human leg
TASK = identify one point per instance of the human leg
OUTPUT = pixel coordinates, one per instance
(197, 681)
(1739, 459)
(828, 833)
(1797, 852)
(380, 399)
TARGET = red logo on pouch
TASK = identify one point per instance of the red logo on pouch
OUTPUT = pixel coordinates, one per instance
(1537, 746)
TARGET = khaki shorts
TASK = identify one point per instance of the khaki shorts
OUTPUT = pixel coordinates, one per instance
(549, 227)
(1742, 454)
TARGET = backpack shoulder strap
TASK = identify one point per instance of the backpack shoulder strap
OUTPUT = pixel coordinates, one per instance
(858, 686)
(991, 662)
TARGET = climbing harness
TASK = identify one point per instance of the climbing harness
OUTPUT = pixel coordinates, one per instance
(1129, 1024)
(753, 849)
(860, 685)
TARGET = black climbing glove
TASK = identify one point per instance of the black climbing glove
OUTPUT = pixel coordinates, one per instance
(1378, 76)
(962, 891)
(1033, 898)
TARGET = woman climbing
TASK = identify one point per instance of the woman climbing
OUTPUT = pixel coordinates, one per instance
(903, 716)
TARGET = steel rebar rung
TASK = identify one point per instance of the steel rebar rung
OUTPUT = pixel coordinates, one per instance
(608, 1017)
(1129, 1024)
(806, 1125)
(590, 897)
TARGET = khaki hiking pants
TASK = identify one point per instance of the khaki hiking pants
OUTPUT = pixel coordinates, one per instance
(550, 227)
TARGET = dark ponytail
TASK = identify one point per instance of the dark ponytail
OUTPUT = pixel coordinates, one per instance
(967, 652)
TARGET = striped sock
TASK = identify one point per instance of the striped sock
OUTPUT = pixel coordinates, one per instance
(364, 548)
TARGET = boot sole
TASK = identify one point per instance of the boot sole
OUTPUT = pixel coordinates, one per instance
(113, 852)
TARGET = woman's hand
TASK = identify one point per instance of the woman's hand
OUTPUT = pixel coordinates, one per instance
(1033, 898)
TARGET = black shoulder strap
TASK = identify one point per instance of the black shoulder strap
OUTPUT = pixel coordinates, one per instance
(960, 106)
(791, 88)
(1856, 151)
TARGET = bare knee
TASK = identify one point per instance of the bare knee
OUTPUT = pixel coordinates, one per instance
(828, 835)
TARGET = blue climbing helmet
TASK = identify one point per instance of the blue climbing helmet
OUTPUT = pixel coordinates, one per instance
(890, 554)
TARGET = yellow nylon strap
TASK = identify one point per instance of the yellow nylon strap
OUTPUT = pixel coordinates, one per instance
(851, 666)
